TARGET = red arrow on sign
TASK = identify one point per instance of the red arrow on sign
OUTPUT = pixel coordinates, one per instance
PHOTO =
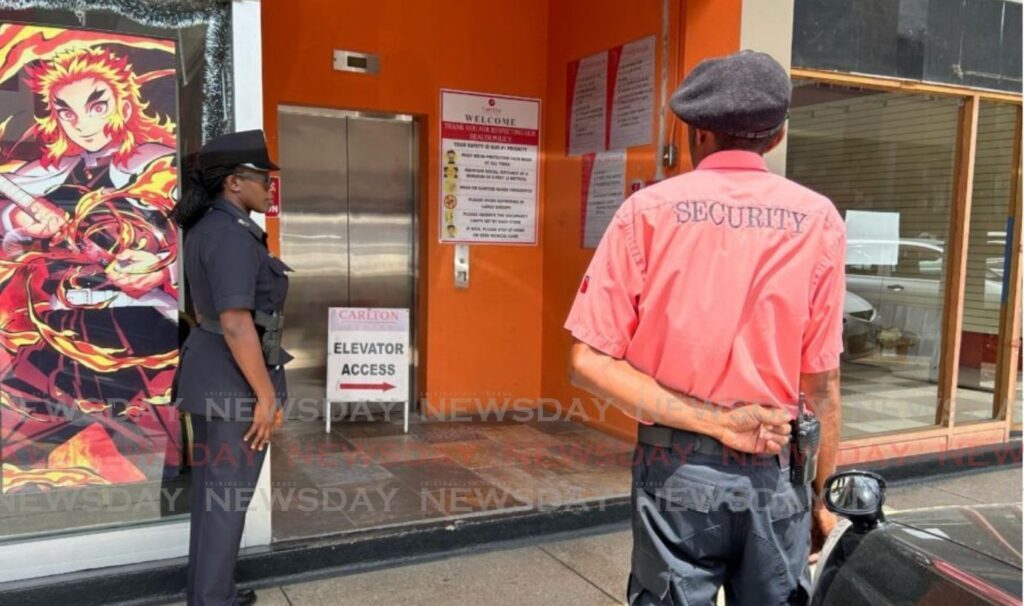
(380, 386)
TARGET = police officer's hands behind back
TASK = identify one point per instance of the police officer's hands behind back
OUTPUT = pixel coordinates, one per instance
(756, 429)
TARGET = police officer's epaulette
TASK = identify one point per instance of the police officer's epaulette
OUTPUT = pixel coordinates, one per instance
(252, 228)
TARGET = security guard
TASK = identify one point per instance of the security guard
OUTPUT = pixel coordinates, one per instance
(713, 301)
(230, 377)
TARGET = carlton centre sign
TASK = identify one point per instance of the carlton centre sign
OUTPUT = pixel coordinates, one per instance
(368, 355)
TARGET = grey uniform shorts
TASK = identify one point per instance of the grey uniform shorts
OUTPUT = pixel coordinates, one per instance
(706, 517)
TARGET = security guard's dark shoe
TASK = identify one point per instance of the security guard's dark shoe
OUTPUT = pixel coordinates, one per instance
(245, 597)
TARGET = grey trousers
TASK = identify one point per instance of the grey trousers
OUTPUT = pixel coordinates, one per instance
(705, 517)
(224, 475)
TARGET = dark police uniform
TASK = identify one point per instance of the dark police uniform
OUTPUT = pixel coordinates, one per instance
(227, 266)
(725, 283)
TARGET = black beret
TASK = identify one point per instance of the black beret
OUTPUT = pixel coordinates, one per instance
(745, 94)
(248, 147)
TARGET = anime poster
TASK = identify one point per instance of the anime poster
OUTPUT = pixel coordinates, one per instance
(88, 294)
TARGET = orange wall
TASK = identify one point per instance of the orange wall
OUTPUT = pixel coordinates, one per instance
(711, 27)
(503, 336)
(479, 342)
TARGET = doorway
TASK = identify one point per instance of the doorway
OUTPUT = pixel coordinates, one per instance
(349, 228)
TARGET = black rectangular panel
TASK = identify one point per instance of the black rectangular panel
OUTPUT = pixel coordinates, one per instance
(973, 43)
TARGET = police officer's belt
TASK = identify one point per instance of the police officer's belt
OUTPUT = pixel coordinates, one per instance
(272, 321)
(268, 327)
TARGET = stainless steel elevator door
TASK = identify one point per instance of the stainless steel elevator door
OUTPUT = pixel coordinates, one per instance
(348, 227)
(380, 198)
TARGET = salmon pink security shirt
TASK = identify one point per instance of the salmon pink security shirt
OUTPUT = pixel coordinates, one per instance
(724, 283)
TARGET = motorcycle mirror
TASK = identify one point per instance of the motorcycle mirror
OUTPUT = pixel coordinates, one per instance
(857, 495)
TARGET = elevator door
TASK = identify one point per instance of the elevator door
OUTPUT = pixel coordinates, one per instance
(348, 228)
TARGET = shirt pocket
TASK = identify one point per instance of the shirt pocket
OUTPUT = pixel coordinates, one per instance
(278, 266)
(273, 284)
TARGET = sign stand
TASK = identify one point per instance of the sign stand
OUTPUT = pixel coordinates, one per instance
(367, 357)
(405, 415)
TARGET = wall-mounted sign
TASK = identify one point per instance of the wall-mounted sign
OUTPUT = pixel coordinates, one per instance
(587, 126)
(604, 184)
(488, 168)
(611, 99)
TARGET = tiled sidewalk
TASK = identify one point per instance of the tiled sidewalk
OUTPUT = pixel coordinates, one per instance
(372, 475)
(579, 570)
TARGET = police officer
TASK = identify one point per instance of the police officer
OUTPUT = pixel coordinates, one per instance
(712, 302)
(230, 378)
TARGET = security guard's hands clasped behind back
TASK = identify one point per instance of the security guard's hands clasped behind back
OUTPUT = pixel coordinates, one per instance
(755, 429)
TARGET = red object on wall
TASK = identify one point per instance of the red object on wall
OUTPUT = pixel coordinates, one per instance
(274, 210)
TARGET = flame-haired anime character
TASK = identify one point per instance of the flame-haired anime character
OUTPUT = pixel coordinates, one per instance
(88, 300)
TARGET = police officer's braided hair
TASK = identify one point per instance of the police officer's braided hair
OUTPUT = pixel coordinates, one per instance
(201, 188)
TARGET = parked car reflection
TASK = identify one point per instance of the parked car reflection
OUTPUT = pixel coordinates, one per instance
(861, 327)
(907, 295)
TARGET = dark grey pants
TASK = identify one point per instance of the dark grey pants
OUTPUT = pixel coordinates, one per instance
(224, 475)
(705, 517)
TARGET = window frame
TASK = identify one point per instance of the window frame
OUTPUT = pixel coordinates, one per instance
(947, 434)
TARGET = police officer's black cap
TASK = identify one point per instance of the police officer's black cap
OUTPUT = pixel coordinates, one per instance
(245, 148)
(746, 94)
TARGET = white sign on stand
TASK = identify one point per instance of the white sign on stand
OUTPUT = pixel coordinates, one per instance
(367, 357)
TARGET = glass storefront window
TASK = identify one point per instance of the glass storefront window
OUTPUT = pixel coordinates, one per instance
(886, 160)
(985, 286)
(90, 438)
